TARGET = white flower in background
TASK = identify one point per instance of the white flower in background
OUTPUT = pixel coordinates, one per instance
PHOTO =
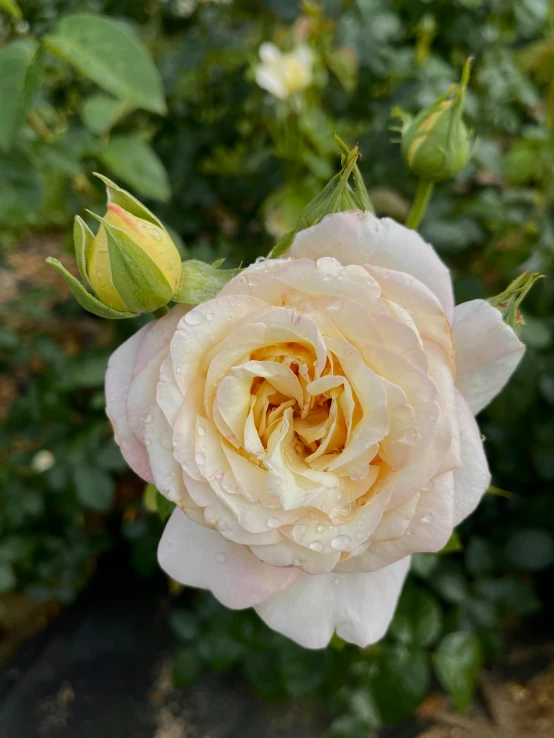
(42, 461)
(314, 423)
(284, 74)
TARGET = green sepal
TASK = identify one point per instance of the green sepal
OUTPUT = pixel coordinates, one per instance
(336, 197)
(137, 278)
(118, 196)
(508, 302)
(84, 298)
(82, 238)
(201, 281)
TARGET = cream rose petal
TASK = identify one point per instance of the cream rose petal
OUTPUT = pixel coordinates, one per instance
(200, 557)
(472, 479)
(487, 352)
(356, 237)
(358, 606)
(119, 377)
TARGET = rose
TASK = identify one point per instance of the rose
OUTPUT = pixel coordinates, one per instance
(284, 74)
(314, 424)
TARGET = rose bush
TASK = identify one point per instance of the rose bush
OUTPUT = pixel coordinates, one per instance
(314, 424)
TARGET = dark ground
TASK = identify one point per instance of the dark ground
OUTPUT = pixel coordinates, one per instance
(101, 670)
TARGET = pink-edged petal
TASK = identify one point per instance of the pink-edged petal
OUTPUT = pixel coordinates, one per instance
(487, 352)
(472, 479)
(119, 377)
(358, 606)
(357, 237)
(200, 557)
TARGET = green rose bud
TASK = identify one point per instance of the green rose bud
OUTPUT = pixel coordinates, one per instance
(436, 143)
(131, 264)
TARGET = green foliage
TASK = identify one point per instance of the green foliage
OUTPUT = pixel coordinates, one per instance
(232, 170)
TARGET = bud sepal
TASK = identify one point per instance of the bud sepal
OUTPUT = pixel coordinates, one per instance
(509, 301)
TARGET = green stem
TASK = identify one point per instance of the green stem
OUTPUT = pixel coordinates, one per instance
(160, 312)
(419, 206)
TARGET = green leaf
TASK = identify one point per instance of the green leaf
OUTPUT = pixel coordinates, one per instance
(95, 488)
(457, 662)
(398, 681)
(137, 165)
(418, 618)
(100, 112)
(11, 8)
(20, 190)
(453, 544)
(303, 670)
(531, 549)
(82, 239)
(110, 55)
(184, 624)
(201, 282)
(20, 65)
(186, 667)
(164, 506)
(84, 298)
(7, 578)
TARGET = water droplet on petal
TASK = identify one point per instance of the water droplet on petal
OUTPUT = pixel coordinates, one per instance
(220, 557)
(175, 443)
(178, 369)
(147, 442)
(148, 418)
(209, 316)
(483, 438)
(201, 430)
(320, 528)
(336, 580)
(200, 459)
(335, 305)
(340, 543)
(253, 282)
(195, 317)
(428, 518)
(273, 523)
(316, 546)
(327, 277)
(261, 259)
(297, 562)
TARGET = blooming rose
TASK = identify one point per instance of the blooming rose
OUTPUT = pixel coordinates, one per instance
(314, 425)
(284, 74)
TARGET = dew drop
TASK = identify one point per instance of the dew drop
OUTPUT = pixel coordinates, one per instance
(300, 529)
(200, 459)
(147, 442)
(209, 316)
(320, 528)
(195, 317)
(428, 518)
(253, 282)
(483, 438)
(201, 430)
(339, 543)
(409, 532)
(297, 562)
(316, 546)
(220, 557)
(148, 418)
(261, 259)
(273, 522)
(178, 369)
(175, 443)
(173, 345)
(335, 305)
(327, 277)
(336, 580)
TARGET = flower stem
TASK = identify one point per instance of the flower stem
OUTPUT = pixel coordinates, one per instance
(160, 312)
(419, 206)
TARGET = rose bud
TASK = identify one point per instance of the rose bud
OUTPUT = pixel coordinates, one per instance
(131, 264)
(436, 142)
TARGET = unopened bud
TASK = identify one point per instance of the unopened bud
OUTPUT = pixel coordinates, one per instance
(436, 143)
(131, 264)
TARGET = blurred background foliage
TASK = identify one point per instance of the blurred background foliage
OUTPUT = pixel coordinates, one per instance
(228, 168)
